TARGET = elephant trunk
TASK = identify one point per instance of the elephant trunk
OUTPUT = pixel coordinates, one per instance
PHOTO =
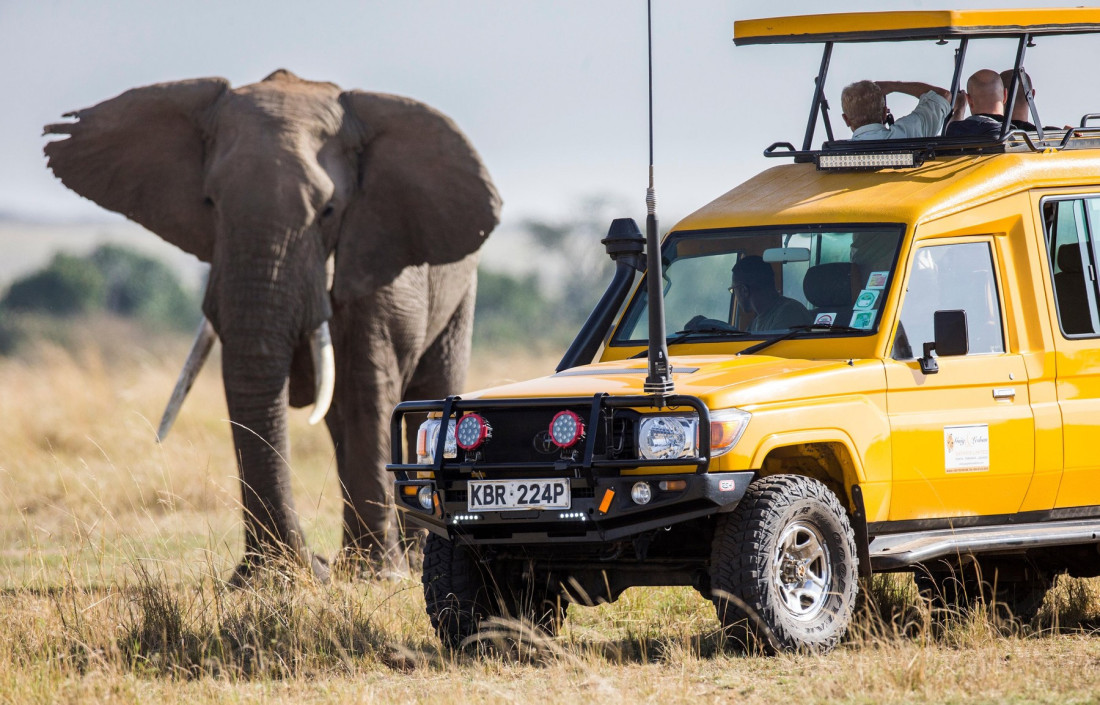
(262, 313)
(256, 394)
(324, 364)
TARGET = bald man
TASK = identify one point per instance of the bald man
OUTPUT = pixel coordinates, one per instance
(985, 94)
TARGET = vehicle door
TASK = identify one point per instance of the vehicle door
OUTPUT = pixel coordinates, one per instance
(962, 438)
(1072, 227)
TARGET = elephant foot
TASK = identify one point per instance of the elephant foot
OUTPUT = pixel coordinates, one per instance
(368, 565)
(253, 568)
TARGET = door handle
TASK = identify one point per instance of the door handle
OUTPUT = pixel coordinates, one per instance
(1004, 393)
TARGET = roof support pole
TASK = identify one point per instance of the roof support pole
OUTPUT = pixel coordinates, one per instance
(1025, 39)
(956, 79)
(819, 91)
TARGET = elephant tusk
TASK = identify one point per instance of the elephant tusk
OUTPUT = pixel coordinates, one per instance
(324, 371)
(200, 350)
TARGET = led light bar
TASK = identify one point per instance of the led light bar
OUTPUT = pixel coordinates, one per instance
(868, 160)
(459, 518)
(576, 516)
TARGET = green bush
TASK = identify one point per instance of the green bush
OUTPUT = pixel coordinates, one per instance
(113, 279)
(136, 286)
(68, 286)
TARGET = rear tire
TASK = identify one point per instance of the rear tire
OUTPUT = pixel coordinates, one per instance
(784, 567)
(1015, 591)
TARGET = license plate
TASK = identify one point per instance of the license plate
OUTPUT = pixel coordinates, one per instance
(510, 495)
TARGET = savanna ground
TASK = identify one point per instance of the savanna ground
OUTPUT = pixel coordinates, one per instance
(112, 548)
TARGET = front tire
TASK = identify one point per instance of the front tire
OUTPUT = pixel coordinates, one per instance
(784, 567)
(535, 601)
(456, 592)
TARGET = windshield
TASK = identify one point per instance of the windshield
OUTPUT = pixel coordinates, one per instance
(769, 282)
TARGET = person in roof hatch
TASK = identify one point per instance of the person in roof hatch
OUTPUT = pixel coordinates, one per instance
(865, 112)
(985, 93)
(1021, 112)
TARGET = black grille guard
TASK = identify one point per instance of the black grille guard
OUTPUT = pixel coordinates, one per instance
(447, 471)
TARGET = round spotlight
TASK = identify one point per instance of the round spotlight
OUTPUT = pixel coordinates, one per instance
(641, 493)
(424, 496)
(566, 428)
(472, 430)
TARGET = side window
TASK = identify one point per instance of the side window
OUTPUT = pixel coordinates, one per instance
(947, 278)
(1070, 247)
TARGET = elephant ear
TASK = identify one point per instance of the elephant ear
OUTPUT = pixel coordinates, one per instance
(141, 154)
(424, 197)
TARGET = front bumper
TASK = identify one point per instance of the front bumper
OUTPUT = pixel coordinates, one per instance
(594, 515)
(586, 519)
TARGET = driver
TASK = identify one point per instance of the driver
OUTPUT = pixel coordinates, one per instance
(754, 285)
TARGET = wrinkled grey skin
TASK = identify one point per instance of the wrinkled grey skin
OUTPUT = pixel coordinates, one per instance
(267, 182)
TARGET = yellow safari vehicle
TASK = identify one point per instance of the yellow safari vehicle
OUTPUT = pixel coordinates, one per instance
(884, 356)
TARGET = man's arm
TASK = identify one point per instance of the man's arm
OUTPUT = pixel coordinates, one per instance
(958, 112)
(913, 88)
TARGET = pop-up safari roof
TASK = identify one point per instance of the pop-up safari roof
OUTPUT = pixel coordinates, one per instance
(942, 26)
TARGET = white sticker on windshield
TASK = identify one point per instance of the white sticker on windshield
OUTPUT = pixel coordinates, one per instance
(866, 299)
(825, 319)
(864, 320)
(966, 448)
(877, 280)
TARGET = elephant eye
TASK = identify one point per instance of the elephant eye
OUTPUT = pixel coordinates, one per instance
(208, 201)
(327, 211)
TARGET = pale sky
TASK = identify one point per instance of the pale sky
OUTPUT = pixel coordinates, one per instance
(552, 94)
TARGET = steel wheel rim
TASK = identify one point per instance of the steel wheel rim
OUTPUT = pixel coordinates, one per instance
(801, 570)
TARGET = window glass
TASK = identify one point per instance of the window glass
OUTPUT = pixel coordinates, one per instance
(1070, 248)
(783, 279)
(951, 278)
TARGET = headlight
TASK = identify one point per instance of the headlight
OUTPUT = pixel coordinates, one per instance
(671, 437)
(427, 440)
(664, 437)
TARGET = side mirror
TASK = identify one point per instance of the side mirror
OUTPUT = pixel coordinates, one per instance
(951, 339)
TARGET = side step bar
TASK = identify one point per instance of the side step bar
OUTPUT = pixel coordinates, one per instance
(895, 551)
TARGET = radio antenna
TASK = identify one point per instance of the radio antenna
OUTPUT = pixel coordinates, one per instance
(659, 380)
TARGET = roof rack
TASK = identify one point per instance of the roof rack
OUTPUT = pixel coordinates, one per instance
(1024, 25)
(911, 153)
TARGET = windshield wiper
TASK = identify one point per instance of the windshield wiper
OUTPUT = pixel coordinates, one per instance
(695, 332)
(795, 330)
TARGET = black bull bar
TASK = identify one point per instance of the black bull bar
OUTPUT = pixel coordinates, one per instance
(446, 473)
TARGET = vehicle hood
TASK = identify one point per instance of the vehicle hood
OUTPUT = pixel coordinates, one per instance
(719, 380)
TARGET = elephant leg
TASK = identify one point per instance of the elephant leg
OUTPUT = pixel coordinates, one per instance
(440, 373)
(370, 359)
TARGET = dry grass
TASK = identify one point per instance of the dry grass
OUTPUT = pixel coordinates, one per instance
(111, 547)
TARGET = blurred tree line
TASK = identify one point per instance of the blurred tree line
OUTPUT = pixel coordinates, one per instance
(112, 279)
(542, 306)
(549, 304)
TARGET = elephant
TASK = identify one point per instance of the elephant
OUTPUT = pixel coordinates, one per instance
(342, 230)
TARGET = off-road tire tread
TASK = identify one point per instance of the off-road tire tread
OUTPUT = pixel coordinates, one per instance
(740, 557)
(455, 593)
